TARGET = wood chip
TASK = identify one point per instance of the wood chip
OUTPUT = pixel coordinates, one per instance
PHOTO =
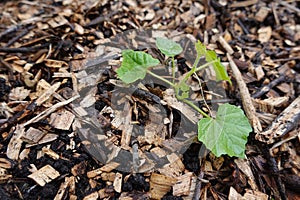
(92, 196)
(5, 163)
(50, 153)
(183, 108)
(62, 119)
(33, 135)
(246, 3)
(262, 14)
(44, 175)
(174, 168)
(106, 168)
(183, 184)
(18, 94)
(79, 29)
(50, 110)
(160, 185)
(244, 166)
(118, 182)
(15, 143)
(55, 63)
(259, 72)
(46, 95)
(264, 34)
(284, 123)
(4, 175)
(63, 187)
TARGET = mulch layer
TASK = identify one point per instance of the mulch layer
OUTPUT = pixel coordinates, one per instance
(58, 58)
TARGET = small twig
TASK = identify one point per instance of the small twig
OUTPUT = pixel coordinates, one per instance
(285, 140)
(198, 186)
(246, 31)
(50, 110)
(290, 7)
(9, 30)
(274, 7)
(246, 98)
(268, 87)
(286, 59)
(23, 49)
(202, 93)
(29, 109)
(23, 33)
(225, 45)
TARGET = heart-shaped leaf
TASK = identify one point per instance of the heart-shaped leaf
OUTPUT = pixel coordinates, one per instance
(227, 134)
(134, 65)
(168, 47)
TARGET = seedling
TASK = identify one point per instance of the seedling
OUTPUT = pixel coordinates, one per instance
(226, 133)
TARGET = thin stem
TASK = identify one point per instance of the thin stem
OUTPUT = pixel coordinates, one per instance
(194, 68)
(205, 65)
(160, 78)
(173, 69)
(196, 108)
(184, 100)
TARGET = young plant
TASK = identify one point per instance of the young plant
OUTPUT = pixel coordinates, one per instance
(226, 133)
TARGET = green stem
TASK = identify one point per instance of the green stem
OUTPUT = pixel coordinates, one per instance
(196, 108)
(205, 65)
(184, 100)
(173, 69)
(161, 78)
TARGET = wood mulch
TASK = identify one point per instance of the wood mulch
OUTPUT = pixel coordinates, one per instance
(58, 59)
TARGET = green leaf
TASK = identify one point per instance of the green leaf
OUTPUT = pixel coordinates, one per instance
(182, 90)
(200, 48)
(168, 47)
(211, 56)
(134, 65)
(227, 134)
(218, 67)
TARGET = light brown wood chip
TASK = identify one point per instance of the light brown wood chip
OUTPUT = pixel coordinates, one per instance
(44, 175)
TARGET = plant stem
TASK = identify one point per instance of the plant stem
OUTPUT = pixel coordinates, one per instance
(184, 100)
(205, 65)
(196, 108)
(192, 70)
(161, 78)
(173, 69)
